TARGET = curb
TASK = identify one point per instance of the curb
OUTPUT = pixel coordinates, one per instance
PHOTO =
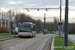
(52, 46)
(7, 39)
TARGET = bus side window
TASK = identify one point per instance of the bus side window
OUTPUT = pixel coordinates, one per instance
(33, 29)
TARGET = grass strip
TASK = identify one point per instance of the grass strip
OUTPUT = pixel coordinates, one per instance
(59, 44)
(1, 34)
(5, 37)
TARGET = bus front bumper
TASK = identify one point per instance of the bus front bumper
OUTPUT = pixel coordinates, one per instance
(24, 35)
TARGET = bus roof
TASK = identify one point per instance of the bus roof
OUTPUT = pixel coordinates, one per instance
(27, 23)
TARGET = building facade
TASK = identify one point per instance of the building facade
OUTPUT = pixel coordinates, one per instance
(3, 21)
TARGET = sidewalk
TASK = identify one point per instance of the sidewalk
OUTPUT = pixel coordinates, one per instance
(3, 36)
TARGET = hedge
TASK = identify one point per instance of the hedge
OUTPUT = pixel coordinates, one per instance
(4, 30)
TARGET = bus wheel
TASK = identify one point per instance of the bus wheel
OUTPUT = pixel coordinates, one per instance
(20, 37)
(31, 36)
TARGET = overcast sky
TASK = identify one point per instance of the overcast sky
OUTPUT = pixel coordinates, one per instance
(20, 4)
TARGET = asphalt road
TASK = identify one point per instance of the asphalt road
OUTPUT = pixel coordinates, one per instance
(36, 43)
(71, 37)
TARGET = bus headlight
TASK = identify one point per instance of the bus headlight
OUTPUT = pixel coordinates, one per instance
(30, 33)
(18, 33)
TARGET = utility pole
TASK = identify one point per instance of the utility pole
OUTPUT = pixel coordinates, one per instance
(66, 24)
(44, 23)
(2, 22)
(10, 23)
(16, 16)
(60, 17)
(9, 27)
(62, 28)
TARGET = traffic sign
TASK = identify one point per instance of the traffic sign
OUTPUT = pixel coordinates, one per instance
(44, 30)
(58, 27)
(38, 9)
(14, 22)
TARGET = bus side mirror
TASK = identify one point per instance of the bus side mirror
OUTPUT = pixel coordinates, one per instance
(31, 26)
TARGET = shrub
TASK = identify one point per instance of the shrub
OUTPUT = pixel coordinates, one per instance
(5, 29)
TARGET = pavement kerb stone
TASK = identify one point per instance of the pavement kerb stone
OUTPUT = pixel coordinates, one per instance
(52, 46)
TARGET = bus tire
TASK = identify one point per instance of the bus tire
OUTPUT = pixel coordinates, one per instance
(20, 37)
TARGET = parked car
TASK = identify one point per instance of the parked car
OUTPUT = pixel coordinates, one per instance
(13, 32)
(16, 31)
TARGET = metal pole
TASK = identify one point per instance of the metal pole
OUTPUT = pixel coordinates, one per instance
(10, 24)
(19, 17)
(16, 15)
(9, 27)
(62, 29)
(14, 29)
(66, 24)
(2, 22)
(44, 23)
(60, 17)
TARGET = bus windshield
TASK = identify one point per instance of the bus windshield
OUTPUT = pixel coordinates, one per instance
(23, 28)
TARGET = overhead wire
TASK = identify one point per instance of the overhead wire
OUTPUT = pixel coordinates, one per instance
(19, 3)
(45, 5)
(52, 2)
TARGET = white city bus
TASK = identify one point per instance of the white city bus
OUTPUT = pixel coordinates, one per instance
(26, 29)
